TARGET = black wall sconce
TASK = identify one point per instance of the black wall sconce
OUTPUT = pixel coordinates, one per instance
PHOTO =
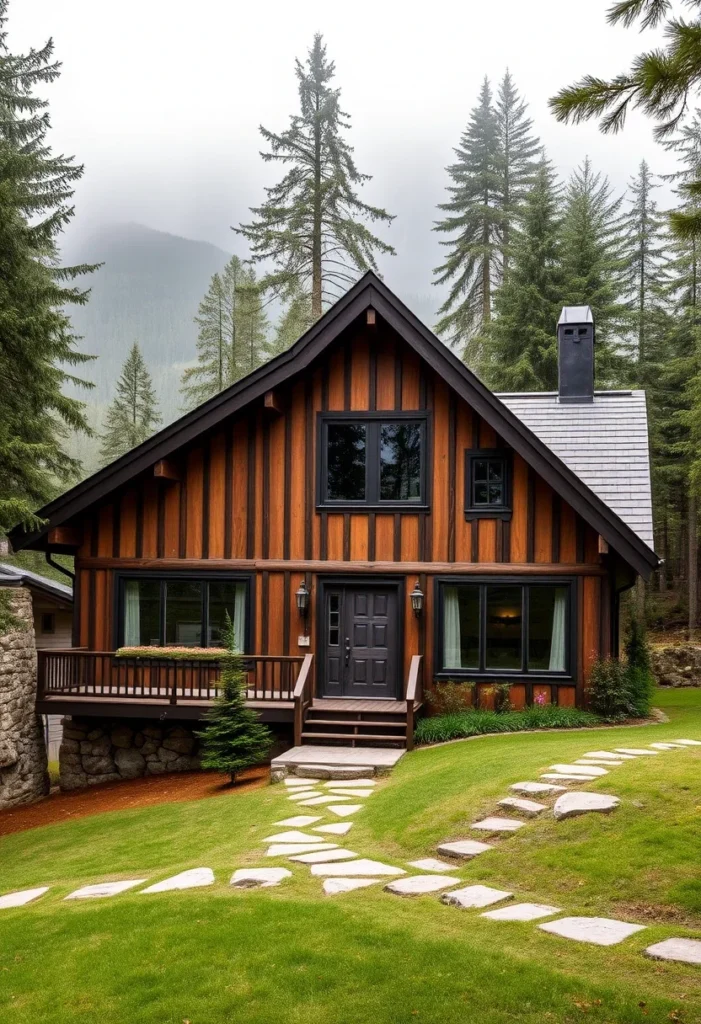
(417, 599)
(302, 598)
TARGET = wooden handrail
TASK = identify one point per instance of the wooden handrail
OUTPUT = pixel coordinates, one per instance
(302, 696)
(414, 692)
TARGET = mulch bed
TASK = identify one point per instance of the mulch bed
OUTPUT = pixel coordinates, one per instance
(123, 796)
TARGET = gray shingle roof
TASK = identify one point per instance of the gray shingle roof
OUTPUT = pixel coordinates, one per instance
(16, 575)
(604, 442)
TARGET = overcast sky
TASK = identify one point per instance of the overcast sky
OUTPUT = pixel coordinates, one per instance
(161, 100)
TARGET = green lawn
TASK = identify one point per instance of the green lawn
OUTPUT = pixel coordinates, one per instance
(290, 955)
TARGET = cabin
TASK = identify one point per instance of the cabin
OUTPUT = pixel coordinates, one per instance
(375, 521)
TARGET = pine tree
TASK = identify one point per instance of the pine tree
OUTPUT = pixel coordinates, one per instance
(295, 320)
(231, 338)
(233, 738)
(519, 347)
(519, 152)
(37, 346)
(133, 415)
(311, 224)
(593, 266)
(474, 220)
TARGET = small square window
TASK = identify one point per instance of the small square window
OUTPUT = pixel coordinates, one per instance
(487, 483)
(48, 622)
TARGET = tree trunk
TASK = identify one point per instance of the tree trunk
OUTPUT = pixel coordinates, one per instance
(692, 564)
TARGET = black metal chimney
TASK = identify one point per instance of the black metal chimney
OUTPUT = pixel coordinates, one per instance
(575, 343)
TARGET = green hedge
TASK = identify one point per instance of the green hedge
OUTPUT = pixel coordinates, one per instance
(475, 723)
(173, 653)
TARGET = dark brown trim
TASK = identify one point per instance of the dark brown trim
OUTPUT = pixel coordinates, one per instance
(475, 433)
(556, 526)
(266, 488)
(91, 610)
(140, 522)
(372, 379)
(500, 540)
(287, 493)
(77, 599)
(228, 491)
(368, 291)
(116, 526)
(265, 599)
(452, 432)
(475, 540)
(398, 376)
(309, 466)
(161, 530)
(346, 536)
(347, 376)
(397, 547)
(206, 457)
(580, 534)
(372, 536)
(579, 678)
(530, 517)
(506, 541)
(324, 386)
(286, 592)
(324, 536)
(94, 532)
(182, 515)
(251, 495)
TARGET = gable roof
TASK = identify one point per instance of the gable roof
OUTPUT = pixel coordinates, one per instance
(17, 576)
(369, 291)
(605, 442)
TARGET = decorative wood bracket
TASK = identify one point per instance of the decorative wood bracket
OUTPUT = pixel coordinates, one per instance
(603, 546)
(370, 317)
(64, 537)
(273, 403)
(166, 469)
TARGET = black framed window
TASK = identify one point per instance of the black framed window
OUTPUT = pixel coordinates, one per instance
(182, 611)
(372, 459)
(505, 627)
(487, 483)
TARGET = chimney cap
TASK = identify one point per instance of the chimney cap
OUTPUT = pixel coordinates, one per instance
(576, 315)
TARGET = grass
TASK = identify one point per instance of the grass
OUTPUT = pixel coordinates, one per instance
(289, 955)
(462, 724)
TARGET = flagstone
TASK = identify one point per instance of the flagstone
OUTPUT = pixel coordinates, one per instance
(529, 807)
(667, 746)
(317, 801)
(300, 820)
(521, 912)
(258, 878)
(191, 879)
(338, 828)
(618, 756)
(685, 951)
(18, 899)
(602, 931)
(431, 864)
(533, 788)
(304, 795)
(689, 743)
(291, 837)
(570, 805)
(287, 849)
(298, 783)
(419, 885)
(104, 889)
(464, 848)
(498, 824)
(343, 810)
(637, 751)
(353, 783)
(578, 769)
(475, 896)
(560, 777)
(332, 886)
(352, 792)
(357, 867)
(324, 856)
(599, 761)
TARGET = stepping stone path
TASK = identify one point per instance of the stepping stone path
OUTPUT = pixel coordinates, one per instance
(464, 848)
(689, 743)
(419, 885)
(527, 807)
(351, 792)
(324, 856)
(332, 886)
(521, 912)
(431, 864)
(599, 761)
(192, 879)
(602, 931)
(258, 878)
(667, 746)
(685, 951)
(338, 828)
(637, 751)
(364, 784)
(300, 820)
(344, 810)
(287, 849)
(498, 824)
(578, 769)
(536, 788)
(319, 800)
(291, 837)
(18, 899)
(362, 866)
(571, 805)
(475, 896)
(559, 777)
(299, 783)
(104, 889)
(607, 755)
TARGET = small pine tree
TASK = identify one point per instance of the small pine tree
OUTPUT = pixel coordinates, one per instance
(233, 738)
(640, 679)
(133, 415)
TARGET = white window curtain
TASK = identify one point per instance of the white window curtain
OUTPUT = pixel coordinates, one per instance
(132, 616)
(240, 617)
(451, 628)
(557, 642)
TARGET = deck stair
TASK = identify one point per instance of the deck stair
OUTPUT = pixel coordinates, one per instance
(354, 722)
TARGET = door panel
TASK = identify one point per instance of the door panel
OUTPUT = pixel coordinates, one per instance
(361, 640)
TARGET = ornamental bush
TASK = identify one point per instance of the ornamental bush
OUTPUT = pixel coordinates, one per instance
(610, 693)
(640, 678)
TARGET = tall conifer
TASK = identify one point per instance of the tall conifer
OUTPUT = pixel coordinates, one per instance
(313, 224)
(294, 321)
(37, 345)
(519, 153)
(133, 415)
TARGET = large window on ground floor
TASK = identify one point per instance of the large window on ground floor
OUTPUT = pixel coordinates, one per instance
(157, 612)
(505, 627)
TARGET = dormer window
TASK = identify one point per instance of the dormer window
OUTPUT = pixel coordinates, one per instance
(487, 484)
(373, 460)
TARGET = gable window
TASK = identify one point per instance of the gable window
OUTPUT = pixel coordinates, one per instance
(487, 484)
(371, 459)
(505, 627)
(48, 622)
(182, 612)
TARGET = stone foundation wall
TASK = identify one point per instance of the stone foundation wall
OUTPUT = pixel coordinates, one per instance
(676, 666)
(23, 766)
(95, 750)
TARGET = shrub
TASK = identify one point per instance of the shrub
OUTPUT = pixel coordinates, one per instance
(640, 678)
(450, 698)
(476, 723)
(172, 653)
(610, 693)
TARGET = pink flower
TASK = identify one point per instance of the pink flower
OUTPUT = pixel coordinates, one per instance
(539, 699)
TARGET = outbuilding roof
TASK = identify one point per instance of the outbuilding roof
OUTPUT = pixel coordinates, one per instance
(605, 442)
(17, 576)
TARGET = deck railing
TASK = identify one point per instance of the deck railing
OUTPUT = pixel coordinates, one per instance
(102, 675)
(413, 695)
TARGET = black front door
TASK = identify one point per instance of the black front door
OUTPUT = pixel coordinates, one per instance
(361, 640)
